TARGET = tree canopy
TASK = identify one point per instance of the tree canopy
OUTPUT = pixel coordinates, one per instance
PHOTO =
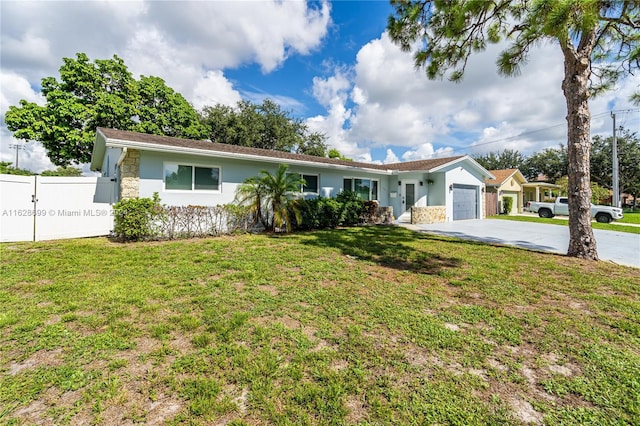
(554, 163)
(506, 159)
(628, 161)
(599, 40)
(102, 93)
(264, 126)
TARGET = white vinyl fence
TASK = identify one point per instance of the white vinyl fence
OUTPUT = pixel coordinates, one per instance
(36, 208)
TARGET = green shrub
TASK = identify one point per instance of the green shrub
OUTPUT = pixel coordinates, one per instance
(135, 217)
(507, 203)
(353, 208)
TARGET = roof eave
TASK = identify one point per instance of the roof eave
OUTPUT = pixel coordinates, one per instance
(99, 149)
(474, 163)
(122, 143)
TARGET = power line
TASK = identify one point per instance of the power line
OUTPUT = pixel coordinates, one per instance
(593, 116)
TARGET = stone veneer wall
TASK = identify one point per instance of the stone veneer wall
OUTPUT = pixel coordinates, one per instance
(384, 215)
(130, 174)
(430, 214)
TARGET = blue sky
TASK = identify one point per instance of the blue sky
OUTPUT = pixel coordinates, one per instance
(328, 63)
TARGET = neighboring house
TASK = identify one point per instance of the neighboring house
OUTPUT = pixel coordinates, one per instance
(190, 172)
(540, 190)
(507, 183)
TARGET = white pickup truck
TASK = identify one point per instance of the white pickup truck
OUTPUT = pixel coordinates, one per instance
(603, 214)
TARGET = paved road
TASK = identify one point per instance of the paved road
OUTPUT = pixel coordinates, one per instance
(618, 247)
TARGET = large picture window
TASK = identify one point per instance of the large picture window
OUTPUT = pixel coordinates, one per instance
(179, 177)
(367, 189)
(310, 183)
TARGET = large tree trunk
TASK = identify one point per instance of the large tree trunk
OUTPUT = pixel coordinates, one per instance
(575, 86)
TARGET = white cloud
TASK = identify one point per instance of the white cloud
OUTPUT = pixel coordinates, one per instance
(31, 155)
(426, 151)
(386, 102)
(188, 44)
(15, 87)
(214, 89)
(391, 157)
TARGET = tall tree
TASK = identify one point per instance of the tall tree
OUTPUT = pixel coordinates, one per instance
(264, 126)
(552, 163)
(102, 93)
(599, 40)
(507, 159)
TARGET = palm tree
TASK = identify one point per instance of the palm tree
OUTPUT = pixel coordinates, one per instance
(269, 197)
(279, 190)
(252, 193)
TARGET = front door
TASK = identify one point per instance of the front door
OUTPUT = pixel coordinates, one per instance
(409, 195)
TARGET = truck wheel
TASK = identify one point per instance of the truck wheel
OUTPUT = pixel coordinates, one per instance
(603, 218)
(545, 213)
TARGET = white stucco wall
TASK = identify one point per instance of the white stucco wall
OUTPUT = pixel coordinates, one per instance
(462, 176)
(232, 173)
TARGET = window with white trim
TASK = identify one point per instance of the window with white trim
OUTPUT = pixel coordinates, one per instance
(367, 189)
(310, 185)
(187, 177)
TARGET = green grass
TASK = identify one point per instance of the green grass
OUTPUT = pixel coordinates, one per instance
(595, 225)
(631, 217)
(373, 325)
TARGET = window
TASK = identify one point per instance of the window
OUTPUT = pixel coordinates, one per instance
(310, 183)
(178, 177)
(367, 189)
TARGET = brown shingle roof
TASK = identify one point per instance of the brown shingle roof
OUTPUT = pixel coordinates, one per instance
(501, 176)
(167, 141)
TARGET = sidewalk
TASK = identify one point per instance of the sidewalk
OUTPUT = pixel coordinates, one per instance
(615, 222)
(618, 247)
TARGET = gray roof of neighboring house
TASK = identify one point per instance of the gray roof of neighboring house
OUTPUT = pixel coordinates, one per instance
(143, 140)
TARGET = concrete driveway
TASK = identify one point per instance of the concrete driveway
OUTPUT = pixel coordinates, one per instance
(618, 247)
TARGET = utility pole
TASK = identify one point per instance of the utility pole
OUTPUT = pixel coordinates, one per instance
(18, 147)
(616, 183)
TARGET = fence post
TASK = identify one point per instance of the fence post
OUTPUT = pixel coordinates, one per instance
(34, 200)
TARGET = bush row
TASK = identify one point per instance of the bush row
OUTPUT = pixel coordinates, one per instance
(139, 219)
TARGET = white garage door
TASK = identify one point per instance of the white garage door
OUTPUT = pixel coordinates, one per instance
(465, 202)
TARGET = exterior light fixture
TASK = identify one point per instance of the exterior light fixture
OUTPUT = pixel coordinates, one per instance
(399, 183)
(450, 187)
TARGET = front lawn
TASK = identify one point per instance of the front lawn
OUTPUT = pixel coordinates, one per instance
(630, 217)
(372, 325)
(617, 226)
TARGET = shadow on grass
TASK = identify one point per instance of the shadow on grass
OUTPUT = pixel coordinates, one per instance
(388, 246)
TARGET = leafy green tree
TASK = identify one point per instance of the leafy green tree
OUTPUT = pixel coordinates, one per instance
(162, 111)
(6, 168)
(550, 162)
(102, 93)
(628, 161)
(264, 126)
(334, 153)
(63, 171)
(507, 159)
(598, 193)
(599, 40)
(313, 144)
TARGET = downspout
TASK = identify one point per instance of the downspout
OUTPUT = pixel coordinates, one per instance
(123, 154)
